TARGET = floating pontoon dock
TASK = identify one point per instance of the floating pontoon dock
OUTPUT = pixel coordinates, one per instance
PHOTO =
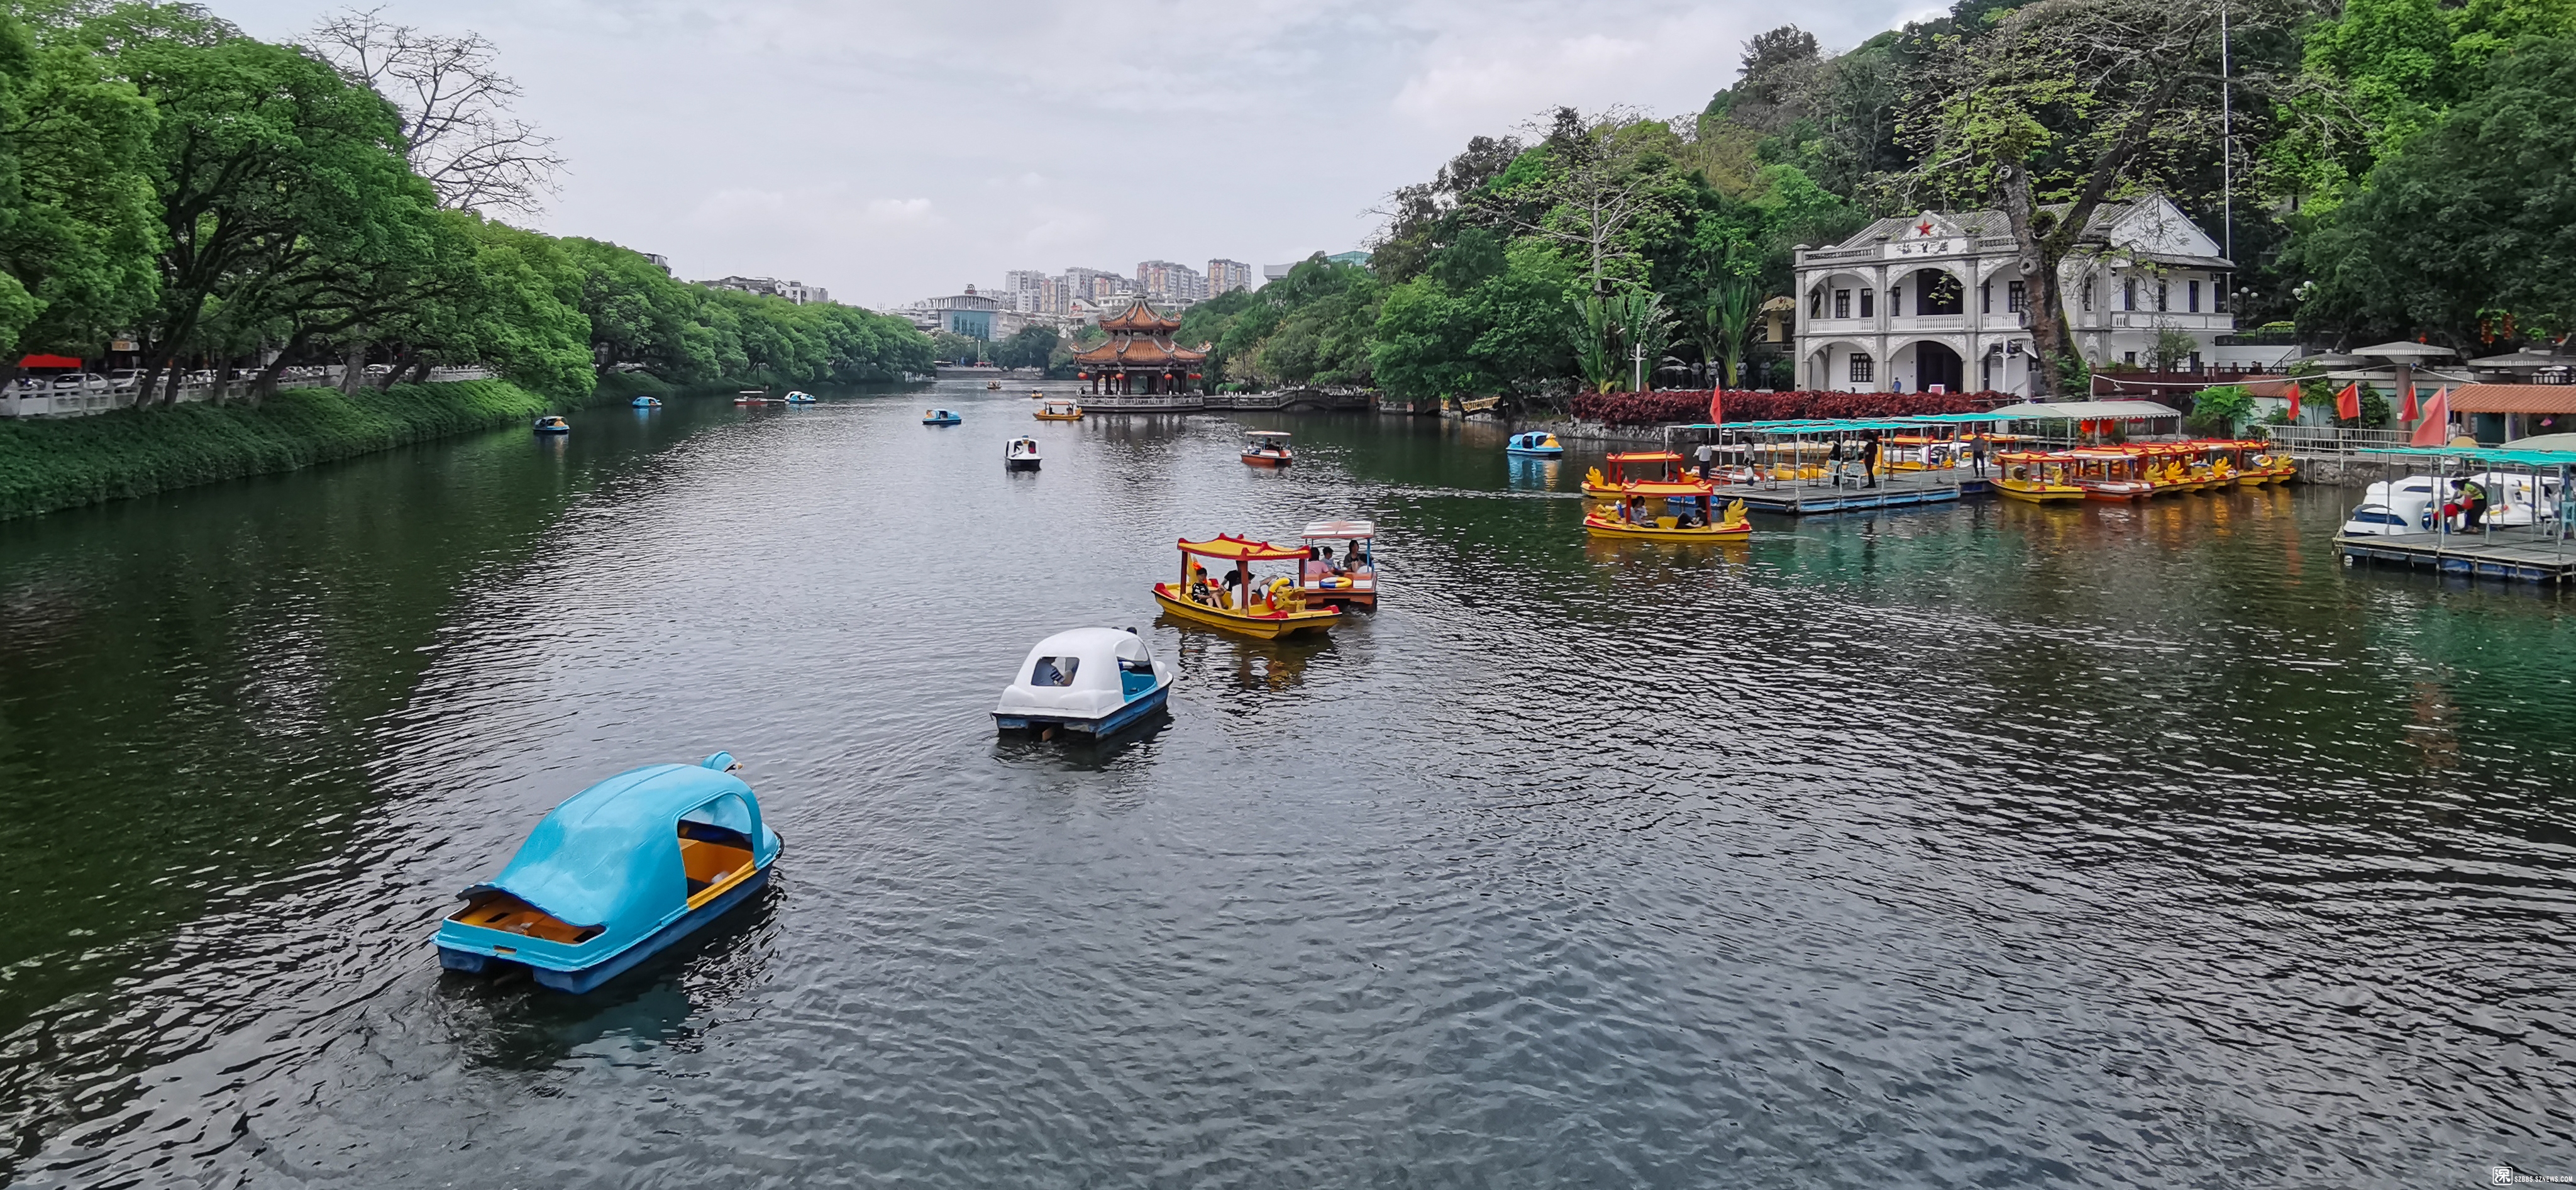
(1793, 476)
(2540, 552)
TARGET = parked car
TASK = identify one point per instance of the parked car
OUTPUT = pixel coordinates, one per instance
(77, 380)
(124, 379)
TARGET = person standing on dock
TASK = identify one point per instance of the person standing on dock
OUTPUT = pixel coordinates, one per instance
(1977, 455)
(2473, 505)
(1869, 460)
(1707, 459)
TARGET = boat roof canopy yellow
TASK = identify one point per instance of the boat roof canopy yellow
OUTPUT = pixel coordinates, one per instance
(1650, 456)
(1239, 549)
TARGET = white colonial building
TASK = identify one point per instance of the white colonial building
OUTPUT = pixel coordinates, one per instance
(1936, 299)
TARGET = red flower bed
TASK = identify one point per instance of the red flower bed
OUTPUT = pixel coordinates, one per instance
(1639, 409)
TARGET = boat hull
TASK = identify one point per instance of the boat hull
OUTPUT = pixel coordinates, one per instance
(584, 979)
(942, 421)
(1542, 452)
(1020, 464)
(2039, 493)
(1044, 416)
(1100, 728)
(1252, 460)
(1263, 627)
(1598, 527)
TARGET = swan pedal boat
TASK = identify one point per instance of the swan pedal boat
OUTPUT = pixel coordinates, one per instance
(1536, 444)
(940, 417)
(800, 397)
(1058, 409)
(1628, 518)
(1665, 465)
(1268, 611)
(617, 873)
(1094, 681)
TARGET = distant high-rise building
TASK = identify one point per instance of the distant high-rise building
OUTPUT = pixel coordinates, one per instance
(1171, 281)
(1022, 288)
(1226, 276)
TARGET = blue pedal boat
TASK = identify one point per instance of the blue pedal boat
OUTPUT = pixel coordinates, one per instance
(800, 397)
(1089, 680)
(1537, 444)
(646, 402)
(940, 417)
(618, 872)
(552, 424)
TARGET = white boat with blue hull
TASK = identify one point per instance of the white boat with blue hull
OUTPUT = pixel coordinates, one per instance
(1094, 681)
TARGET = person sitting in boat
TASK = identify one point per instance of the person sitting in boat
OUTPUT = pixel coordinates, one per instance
(1199, 591)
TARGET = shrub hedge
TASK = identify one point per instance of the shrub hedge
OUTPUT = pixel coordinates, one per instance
(51, 463)
(1638, 409)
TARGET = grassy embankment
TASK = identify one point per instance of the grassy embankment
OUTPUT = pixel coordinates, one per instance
(53, 463)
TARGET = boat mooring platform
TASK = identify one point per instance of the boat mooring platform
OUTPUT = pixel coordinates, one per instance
(2524, 554)
(1895, 489)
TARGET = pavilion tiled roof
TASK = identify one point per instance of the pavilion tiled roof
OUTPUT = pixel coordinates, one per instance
(1140, 317)
(1139, 350)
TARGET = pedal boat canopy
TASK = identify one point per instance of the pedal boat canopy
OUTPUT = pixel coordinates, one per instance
(1083, 679)
(615, 873)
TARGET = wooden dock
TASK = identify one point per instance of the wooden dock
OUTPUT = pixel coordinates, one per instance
(1896, 489)
(2522, 554)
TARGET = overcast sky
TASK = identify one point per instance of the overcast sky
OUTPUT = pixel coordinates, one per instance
(892, 151)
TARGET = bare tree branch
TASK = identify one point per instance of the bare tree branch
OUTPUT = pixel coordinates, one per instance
(455, 104)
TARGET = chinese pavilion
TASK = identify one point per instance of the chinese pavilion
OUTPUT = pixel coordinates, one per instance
(1140, 356)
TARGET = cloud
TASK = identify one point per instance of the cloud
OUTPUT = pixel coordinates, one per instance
(900, 211)
(895, 150)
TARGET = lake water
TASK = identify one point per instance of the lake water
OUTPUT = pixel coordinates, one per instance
(1982, 845)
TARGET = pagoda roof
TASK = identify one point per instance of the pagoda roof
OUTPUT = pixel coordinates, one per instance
(1137, 351)
(1140, 317)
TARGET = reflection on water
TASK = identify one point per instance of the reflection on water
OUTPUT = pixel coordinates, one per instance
(1992, 844)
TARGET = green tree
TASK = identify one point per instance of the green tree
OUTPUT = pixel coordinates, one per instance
(2463, 234)
(76, 217)
(266, 165)
(1032, 346)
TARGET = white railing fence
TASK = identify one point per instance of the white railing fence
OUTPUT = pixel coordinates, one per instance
(38, 396)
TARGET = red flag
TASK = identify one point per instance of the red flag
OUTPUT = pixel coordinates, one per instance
(1716, 406)
(2410, 413)
(2294, 400)
(2348, 402)
(2435, 429)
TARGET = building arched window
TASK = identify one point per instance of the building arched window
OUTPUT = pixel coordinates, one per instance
(1864, 370)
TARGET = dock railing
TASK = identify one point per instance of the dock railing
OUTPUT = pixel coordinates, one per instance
(2336, 442)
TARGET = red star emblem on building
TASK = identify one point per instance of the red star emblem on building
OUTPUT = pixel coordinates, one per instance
(1924, 228)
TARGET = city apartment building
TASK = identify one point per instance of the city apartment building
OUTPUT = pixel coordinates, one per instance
(1025, 290)
(794, 291)
(1226, 276)
(1938, 299)
(1164, 280)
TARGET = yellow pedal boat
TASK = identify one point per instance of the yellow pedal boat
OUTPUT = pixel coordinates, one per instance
(2035, 476)
(1058, 409)
(1240, 602)
(1635, 515)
